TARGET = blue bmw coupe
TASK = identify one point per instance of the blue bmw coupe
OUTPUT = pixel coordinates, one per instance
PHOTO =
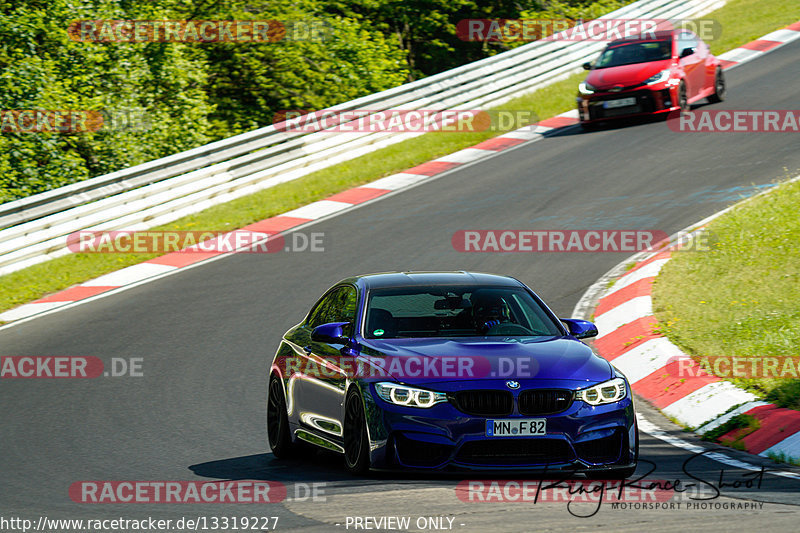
(449, 370)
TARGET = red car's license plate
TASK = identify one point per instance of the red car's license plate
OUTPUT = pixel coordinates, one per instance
(621, 102)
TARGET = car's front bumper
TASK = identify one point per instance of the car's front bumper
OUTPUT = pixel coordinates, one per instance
(581, 438)
(649, 100)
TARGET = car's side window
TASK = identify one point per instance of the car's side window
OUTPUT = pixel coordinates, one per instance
(324, 309)
(345, 308)
(686, 40)
(338, 306)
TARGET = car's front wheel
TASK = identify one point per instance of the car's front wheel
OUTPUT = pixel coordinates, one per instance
(683, 98)
(356, 441)
(719, 87)
(280, 441)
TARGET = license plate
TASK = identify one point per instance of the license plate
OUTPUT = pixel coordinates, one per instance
(621, 102)
(525, 427)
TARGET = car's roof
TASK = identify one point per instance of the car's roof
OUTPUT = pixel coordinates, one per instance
(661, 35)
(420, 278)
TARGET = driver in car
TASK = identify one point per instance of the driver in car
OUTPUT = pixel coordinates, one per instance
(489, 310)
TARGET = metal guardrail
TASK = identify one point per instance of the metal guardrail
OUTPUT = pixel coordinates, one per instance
(159, 191)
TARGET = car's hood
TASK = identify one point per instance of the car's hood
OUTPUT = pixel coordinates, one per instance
(541, 358)
(624, 75)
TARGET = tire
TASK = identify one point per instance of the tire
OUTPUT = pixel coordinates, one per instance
(590, 126)
(683, 99)
(280, 440)
(356, 441)
(719, 88)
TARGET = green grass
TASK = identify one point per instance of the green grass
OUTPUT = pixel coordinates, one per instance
(739, 26)
(745, 423)
(740, 299)
(743, 21)
(783, 458)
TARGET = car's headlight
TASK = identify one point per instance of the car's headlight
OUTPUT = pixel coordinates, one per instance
(610, 391)
(585, 88)
(408, 396)
(658, 78)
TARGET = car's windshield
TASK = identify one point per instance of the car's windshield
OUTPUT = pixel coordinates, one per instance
(454, 311)
(632, 53)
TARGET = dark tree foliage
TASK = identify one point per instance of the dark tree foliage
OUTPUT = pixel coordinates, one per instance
(158, 98)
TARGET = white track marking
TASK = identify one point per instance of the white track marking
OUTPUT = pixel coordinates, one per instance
(622, 314)
(465, 156)
(131, 274)
(319, 209)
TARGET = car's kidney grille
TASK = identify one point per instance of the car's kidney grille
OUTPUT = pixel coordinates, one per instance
(544, 401)
(484, 402)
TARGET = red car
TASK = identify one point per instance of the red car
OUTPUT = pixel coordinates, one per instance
(666, 71)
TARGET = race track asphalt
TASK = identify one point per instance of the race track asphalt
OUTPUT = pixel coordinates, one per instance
(206, 334)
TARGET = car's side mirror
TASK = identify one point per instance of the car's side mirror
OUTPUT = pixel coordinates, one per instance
(580, 329)
(331, 333)
(687, 51)
(587, 66)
